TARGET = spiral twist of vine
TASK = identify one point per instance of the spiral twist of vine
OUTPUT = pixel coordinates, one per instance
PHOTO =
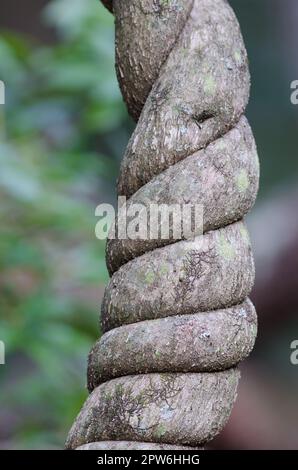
(176, 315)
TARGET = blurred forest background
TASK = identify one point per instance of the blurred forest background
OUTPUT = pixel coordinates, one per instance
(63, 132)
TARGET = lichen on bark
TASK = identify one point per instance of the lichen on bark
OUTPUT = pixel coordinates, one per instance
(175, 409)
(176, 315)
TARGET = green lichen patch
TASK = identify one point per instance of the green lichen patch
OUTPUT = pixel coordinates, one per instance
(164, 269)
(226, 249)
(210, 85)
(160, 431)
(242, 181)
(244, 234)
(149, 278)
(238, 57)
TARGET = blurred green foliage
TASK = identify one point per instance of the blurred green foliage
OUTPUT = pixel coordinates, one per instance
(58, 162)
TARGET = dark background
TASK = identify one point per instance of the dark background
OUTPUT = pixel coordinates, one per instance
(63, 132)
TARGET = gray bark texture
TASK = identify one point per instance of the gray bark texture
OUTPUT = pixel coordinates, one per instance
(131, 445)
(176, 316)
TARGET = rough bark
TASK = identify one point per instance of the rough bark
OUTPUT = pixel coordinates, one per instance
(215, 270)
(141, 51)
(223, 178)
(208, 341)
(201, 92)
(130, 445)
(176, 316)
(176, 409)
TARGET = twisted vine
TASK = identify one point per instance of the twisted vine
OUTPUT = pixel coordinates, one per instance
(176, 315)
